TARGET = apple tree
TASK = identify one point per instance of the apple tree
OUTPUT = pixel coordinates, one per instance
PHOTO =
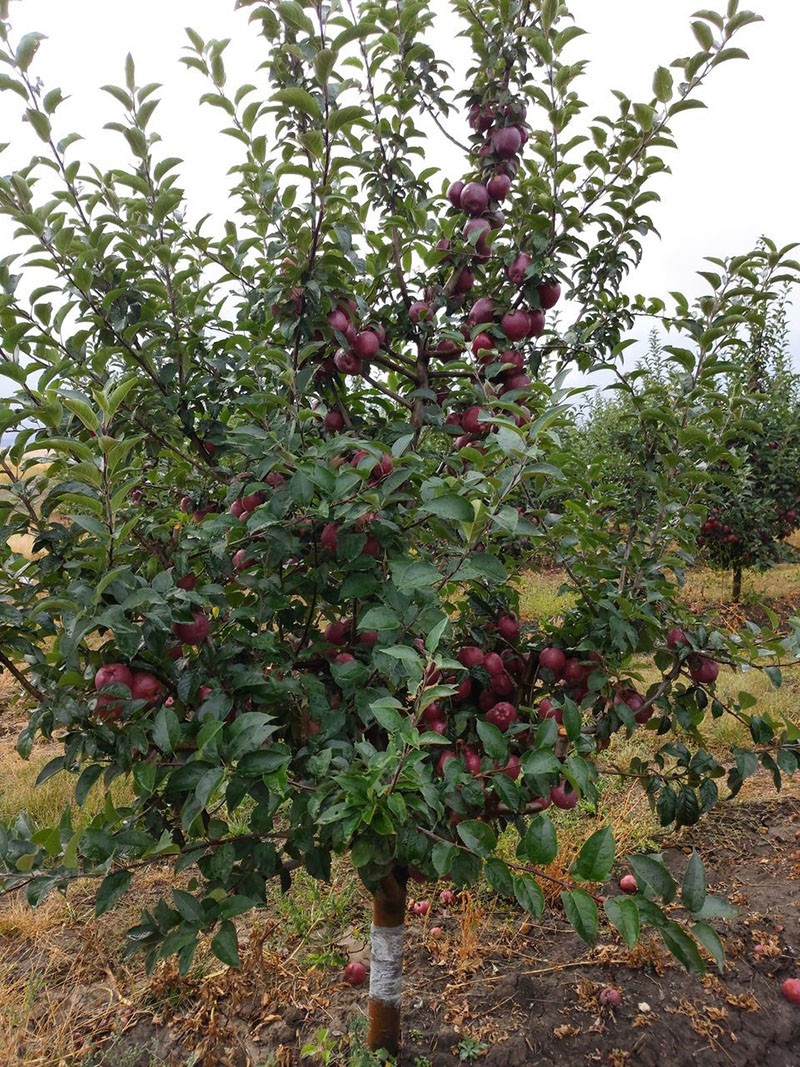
(755, 505)
(275, 474)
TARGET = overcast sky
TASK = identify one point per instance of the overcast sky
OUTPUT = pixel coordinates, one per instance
(735, 175)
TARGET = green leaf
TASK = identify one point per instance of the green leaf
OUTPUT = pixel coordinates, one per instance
(596, 857)
(166, 729)
(529, 894)
(112, 888)
(693, 890)
(581, 911)
(189, 907)
(292, 14)
(663, 85)
(27, 49)
(716, 908)
(347, 116)
(540, 843)
(499, 877)
(225, 945)
(477, 836)
(449, 507)
(652, 873)
(623, 914)
(704, 35)
(682, 947)
(299, 100)
(710, 941)
(493, 740)
(247, 733)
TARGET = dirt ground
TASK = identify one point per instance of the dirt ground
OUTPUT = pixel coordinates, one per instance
(482, 984)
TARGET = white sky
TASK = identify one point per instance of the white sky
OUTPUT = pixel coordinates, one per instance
(735, 175)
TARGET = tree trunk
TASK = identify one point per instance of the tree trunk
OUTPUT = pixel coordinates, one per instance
(386, 965)
(737, 585)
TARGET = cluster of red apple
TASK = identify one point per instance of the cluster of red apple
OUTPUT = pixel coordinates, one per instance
(715, 530)
(116, 683)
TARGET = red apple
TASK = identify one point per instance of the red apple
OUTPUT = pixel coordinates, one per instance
(508, 627)
(563, 795)
(512, 768)
(419, 311)
(443, 760)
(552, 659)
(447, 898)
(549, 293)
(537, 323)
(113, 674)
(703, 669)
(506, 142)
(334, 421)
(328, 537)
(355, 973)
(609, 997)
(366, 344)
(548, 710)
(188, 581)
(146, 687)
(454, 193)
(347, 362)
(483, 310)
(339, 320)
(502, 715)
(676, 637)
(516, 325)
(628, 884)
(499, 186)
(192, 633)
(474, 198)
(791, 990)
(517, 268)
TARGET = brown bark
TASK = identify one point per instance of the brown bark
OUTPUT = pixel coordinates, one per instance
(737, 585)
(389, 911)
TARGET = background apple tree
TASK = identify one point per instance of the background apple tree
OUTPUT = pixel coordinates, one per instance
(280, 473)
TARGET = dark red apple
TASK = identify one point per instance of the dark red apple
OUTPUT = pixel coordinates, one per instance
(470, 656)
(499, 186)
(454, 193)
(676, 637)
(552, 659)
(328, 538)
(549, 293)
(474, 198)
(483, 310)
(506, 142)
(508, 627)
(517, 268)
(494, 663)
(563, 795)
(366, 344)
(192, 633)
(355, 973)
(703, 669)
(537, 322)
(419, 311)
(338, 320)
(147, 687)
(241, 561)
(334, 421)
(516, 325)
(113, 674)
(502, 715)
(347, 362)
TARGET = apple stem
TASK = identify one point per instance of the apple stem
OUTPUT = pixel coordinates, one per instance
(386, 964)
